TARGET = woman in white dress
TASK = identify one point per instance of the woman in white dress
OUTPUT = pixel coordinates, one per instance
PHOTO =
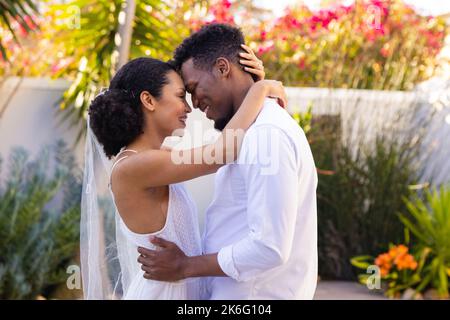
(145, 103)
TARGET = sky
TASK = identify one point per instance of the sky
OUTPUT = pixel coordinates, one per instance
(426, 7)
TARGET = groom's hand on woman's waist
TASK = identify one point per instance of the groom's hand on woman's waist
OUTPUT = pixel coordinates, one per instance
(169, 263)
(166, 264)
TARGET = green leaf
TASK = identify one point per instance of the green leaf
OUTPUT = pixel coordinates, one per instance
(15, 11)
(361, 262)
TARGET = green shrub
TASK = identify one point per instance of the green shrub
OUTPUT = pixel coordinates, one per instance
(426, 271)
(39, 221)
(357, 205)
(361, 188)
(429, 222)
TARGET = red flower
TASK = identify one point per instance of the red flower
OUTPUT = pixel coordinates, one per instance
(301, 64)
(263, 35)
(221, 13)
(385, 52)
(266, 48)
(226, 4)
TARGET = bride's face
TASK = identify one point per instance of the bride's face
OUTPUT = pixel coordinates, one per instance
(171, 109)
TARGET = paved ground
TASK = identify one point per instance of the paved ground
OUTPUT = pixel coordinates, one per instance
(345, 290)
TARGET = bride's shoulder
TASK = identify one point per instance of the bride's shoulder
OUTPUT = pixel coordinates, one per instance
(133, 164)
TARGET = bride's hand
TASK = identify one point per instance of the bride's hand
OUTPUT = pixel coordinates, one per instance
(251, 63)
(274, 89)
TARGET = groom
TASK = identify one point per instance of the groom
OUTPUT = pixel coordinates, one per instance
(260, 238)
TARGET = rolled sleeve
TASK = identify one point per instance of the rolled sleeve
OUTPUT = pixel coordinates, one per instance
(226, 263)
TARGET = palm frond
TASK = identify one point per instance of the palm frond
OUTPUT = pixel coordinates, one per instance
(17, 11)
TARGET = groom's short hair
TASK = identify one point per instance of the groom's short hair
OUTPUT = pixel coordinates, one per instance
(209, 43)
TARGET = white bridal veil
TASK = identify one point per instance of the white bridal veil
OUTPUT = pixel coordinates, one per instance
(108, 260)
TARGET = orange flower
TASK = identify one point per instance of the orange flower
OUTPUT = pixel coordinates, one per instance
(397, 255)
(405, 261)
(384, 261)
(398, 251)
(384, 271)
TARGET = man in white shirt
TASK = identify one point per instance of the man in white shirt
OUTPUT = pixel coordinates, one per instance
(260, 238)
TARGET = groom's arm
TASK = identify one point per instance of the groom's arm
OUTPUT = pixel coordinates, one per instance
(269, 167)
(171, 264)
(271, 177)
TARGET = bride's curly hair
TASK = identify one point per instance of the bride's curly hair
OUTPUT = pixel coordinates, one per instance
(116, 116)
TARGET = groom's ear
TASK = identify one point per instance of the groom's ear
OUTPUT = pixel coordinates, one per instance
(148, 101)
(222, 67)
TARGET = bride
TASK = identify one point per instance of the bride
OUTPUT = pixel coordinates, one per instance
(145, 103)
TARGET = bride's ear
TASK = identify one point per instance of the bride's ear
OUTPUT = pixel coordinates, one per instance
(148, 101)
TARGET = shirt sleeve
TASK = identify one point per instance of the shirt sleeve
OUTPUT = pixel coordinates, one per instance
(269, 168)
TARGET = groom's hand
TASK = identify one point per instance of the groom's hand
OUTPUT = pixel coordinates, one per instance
(166, 264)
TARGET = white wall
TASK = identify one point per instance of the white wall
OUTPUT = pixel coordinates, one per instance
(28, 119)
(364, 113)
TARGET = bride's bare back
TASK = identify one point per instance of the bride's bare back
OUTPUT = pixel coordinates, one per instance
(144, 210)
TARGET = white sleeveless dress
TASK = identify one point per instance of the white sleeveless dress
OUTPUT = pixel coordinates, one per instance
(182, 228)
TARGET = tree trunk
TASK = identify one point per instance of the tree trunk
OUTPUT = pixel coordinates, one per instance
(125, 32)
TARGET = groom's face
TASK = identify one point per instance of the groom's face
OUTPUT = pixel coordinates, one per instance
(209, 93)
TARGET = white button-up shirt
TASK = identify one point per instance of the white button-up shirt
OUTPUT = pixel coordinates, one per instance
(263, 217)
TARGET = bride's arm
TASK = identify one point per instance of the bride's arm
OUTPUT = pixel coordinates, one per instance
(229, 143)
(162, 167)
